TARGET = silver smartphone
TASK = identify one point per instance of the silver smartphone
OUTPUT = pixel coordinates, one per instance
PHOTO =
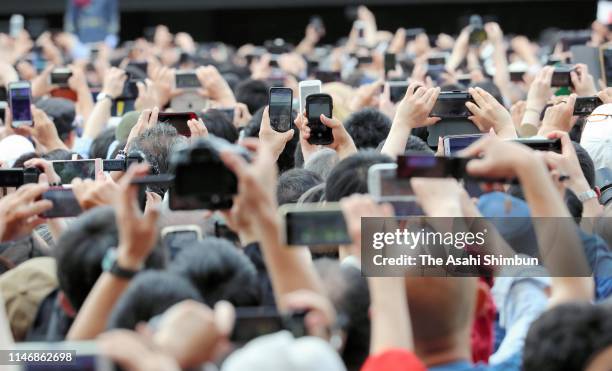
(306, 88)
(385, 186)
(456, 143)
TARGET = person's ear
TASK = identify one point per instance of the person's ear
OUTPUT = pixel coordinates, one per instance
(597, 191)
(483, 293)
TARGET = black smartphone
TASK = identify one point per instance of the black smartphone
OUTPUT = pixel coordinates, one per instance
(130, 88)
(553, 145)
(517, 76)
(428, 166)
(397, 90)
(561, 76)
(178, 120)
(314, 225)
(584, 106)
(452, 104)
(364, 59)
(3, 108)
(65, 205)
(317, 105)
(60, 76)
(20, 99)
(253, 322)
(390, 62)
(327, 76)
(187, 80)
(279, 108)
(478, 35)
(142, 66)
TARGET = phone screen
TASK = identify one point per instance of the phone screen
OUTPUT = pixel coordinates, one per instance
(454, 144)
(174, 241)
(11, 177)
(60, 77)
(451, 105)
(397, 91)
(280, 108)
(312, 228)
(315, 107)
(178, 121)
(187, 80)
(68, 170)
(430, 166)
(20, 104)
(586, 105)
(64, 203)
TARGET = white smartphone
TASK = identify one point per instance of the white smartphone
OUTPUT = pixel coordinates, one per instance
(175, 237)
(456, 143)
(70, 169)
(314, 224)
(20, 99)
(385, 186)
(189, 101)
(306, 88)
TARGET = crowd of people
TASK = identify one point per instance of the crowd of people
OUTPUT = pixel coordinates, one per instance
(107, 278)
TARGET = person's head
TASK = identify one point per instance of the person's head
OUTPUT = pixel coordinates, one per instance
(219, 272)
(491, 88)
(596, 136)
(442, 310)
(348, 291)
(157, 143)
(569, 336)
(62, 112)
(350, 175)
(81, 248)
(148, 295)
(322, 162)
(253, 93)
(100, 145)
(293, 183)
(367, 127)
(315, 194)
(60, 155)
(217, 123)
(586, 164)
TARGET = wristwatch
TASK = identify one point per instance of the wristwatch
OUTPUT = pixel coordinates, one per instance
(586, 195)
(110, 265)
(101, 96)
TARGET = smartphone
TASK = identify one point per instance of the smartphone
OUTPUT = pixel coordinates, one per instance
(60, 76)
(70, 169)
(178, 120)
(16, 177)
(553, 145)
(605, 60)
(517, 76)
(313, 224)
(279, 108)
(397, 90)
(130, 88)
(464, 79)
(385, 186)
(456, 143)
(364, 59)
(142, 66)
(478, 35)
(327, 76)
(317, 105)
(65, 205)
(306, 88)
(584, 106)
(390, 62)
(451, 104)
(253, 322)
(561, 76)
(176, 237)
(186, 80)
(20, 99)
(429, 166)
(438, 59)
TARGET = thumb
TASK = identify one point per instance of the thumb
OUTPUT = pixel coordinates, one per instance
(288, 135)
(479, 166)
(431, 120)
(329, 122)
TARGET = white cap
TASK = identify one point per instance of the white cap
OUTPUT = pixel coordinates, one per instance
(282, 352)
(597, 138)
(12, 147)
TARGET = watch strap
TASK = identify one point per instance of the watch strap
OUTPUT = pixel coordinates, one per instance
(111, 265)
(586, 195)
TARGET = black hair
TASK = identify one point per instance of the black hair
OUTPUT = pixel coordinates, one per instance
(99, 146)
(286, 160)
(253, 93)
(62, 112)
(81, 248)
(368, 127)
(491, 88)
(348, 291)
(293, 183)
(148, 295)
(60, 155)
(219, 272)
(567, 337)
(218, 124)
(586, 164)
(413, 144)
(24, 158)
(350, 175)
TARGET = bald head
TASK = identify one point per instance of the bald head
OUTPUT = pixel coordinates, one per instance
(441, 308)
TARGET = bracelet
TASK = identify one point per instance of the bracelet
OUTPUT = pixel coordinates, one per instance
(534, 110)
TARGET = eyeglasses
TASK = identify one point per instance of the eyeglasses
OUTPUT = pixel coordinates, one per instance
(598, 117)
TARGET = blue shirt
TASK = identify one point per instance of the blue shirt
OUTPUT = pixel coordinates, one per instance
(512, 364)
